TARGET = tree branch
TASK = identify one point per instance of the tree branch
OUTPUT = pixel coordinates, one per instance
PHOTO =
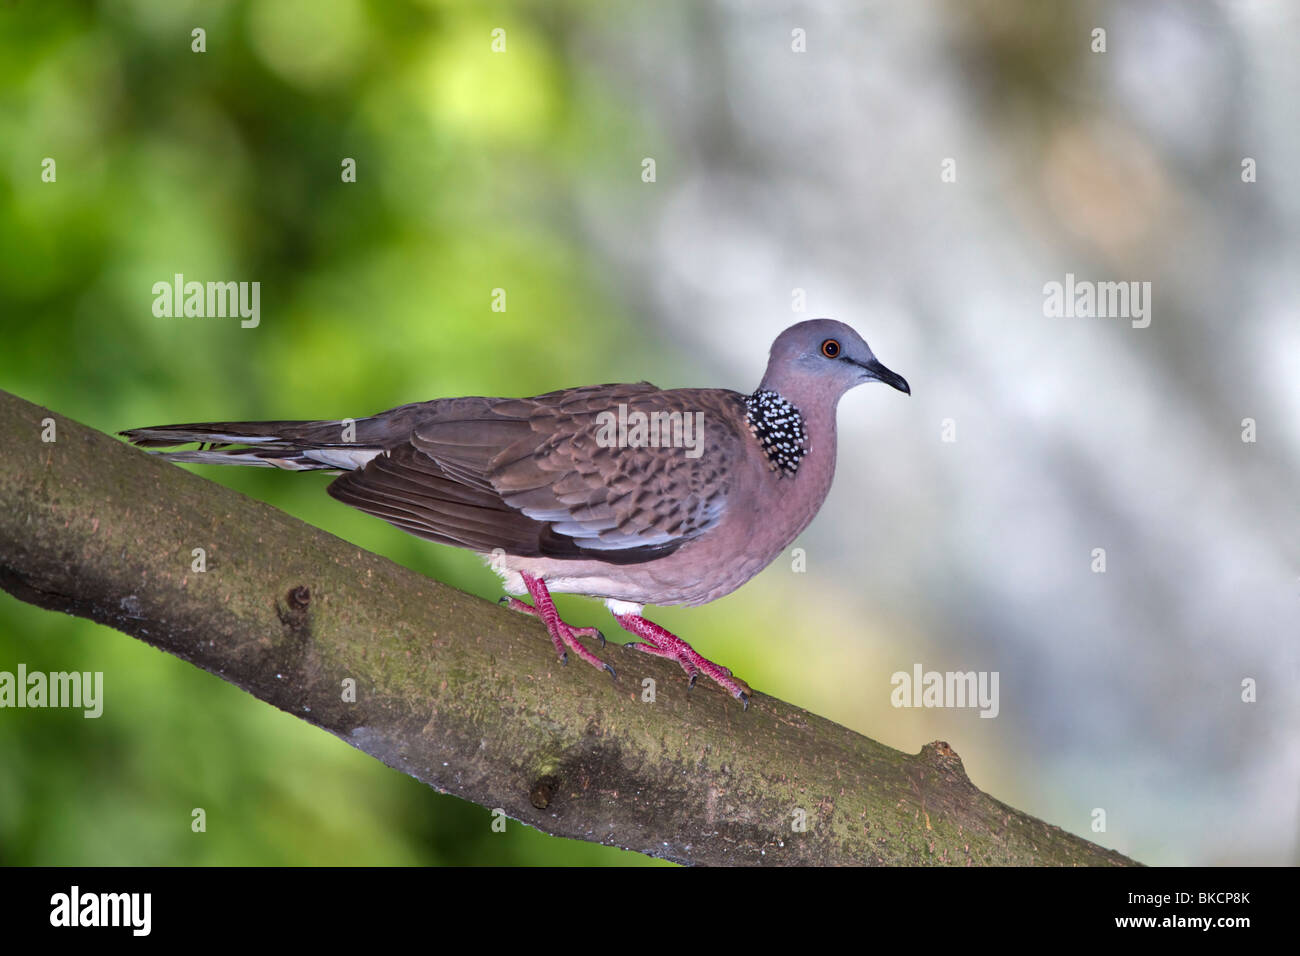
(464, 695)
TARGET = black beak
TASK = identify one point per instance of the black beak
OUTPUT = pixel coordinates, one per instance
(882, 374)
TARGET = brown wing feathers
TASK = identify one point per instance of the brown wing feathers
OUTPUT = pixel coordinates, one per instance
(528, 476)
(408, 488)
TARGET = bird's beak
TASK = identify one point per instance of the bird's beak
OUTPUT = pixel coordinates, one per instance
(878, 372)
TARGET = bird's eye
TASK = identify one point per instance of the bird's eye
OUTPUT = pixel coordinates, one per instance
(831, 348)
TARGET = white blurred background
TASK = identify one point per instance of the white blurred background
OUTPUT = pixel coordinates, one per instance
(820, 171)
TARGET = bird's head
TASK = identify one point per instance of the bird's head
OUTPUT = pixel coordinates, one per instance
(824, 358)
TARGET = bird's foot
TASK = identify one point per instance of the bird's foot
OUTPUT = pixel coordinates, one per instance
(659, 642)
(563, 636)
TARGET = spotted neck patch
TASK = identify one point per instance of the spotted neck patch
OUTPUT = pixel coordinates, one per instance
(779, 428)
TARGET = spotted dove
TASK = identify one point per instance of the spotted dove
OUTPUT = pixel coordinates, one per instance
(630, 493)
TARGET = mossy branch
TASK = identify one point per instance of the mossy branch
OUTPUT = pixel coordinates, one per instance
(467, 696)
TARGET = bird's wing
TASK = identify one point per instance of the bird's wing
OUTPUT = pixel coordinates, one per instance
(547, 476)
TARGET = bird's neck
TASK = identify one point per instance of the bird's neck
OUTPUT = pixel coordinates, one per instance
(795, 431)
(803, 488)
(778, 426)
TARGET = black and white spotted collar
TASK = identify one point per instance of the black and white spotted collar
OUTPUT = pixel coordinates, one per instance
(779, 428)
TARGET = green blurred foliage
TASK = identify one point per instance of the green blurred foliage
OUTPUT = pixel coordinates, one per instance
(225, 165)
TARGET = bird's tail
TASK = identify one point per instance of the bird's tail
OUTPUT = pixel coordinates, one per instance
(295, 446)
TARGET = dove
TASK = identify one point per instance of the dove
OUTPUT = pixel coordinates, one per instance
(628, 493)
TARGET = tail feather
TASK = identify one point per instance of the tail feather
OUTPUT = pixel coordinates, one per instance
(291, 445)
(242, 433)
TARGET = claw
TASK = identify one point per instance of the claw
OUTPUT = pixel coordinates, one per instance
(563, 636)
(658, 642)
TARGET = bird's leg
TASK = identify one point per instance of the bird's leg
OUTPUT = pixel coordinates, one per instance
(563, 636)
(660, 642)
(517, 605)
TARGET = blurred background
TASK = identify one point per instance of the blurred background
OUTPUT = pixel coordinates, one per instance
(919, 170)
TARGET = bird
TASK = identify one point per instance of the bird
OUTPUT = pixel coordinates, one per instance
(627, 493)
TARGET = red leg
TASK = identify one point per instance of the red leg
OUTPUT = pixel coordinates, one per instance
(517, 605)
(664, 643)
(563, 636)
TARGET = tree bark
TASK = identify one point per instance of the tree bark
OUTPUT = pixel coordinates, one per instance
(464, 695)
